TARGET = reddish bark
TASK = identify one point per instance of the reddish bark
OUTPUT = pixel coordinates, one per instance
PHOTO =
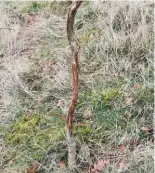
(75, 65)
(75, 71)
(75, 79)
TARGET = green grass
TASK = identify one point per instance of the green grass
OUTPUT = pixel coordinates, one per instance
(32, 136)
(116, 52)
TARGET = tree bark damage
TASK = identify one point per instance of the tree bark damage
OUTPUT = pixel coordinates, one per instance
(75, 71)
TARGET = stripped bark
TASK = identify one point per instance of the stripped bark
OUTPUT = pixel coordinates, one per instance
(75, 70)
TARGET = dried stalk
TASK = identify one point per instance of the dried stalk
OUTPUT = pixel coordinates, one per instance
(75, 70)
(7, 28)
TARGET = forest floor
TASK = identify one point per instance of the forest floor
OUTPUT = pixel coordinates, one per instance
(114, 116)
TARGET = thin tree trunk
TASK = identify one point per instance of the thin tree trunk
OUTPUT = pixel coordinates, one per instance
(75, 70)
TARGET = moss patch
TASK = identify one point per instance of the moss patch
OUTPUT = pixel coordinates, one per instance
(32, 136)
(82, 133)
(100, 98)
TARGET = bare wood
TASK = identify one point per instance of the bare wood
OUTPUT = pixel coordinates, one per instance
(75, 79)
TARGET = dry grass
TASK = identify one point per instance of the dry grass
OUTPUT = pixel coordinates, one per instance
(117, 42)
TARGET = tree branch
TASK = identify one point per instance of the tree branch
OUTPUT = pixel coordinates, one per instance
(75, 65)
(75, 79)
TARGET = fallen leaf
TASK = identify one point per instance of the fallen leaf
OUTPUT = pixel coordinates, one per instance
(80, 124)
(34, 167)
(100, 165)
(60, 103)
(129, 101)
(62, 164)
(136, 85)
(123, 148)
(150, 142)
(30, 19)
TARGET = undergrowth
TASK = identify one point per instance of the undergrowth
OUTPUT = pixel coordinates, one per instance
(114, 114)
